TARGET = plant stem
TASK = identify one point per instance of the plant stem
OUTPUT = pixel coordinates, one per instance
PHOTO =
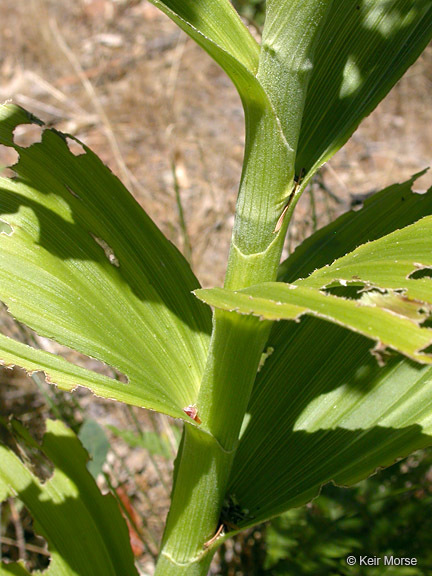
(200, 468)
(266, 193)
(206, 454)
(205, 458)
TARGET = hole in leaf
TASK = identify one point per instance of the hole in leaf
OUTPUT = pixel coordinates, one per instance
(421, 273)
(348, 292)
(5, 228)
(423, 182)
(109, 252)
(427, 350)
(381, 354)
(427, 323)
(358, 200)
(75, 147)
(19, 540)
(25, 135)
(8, 157)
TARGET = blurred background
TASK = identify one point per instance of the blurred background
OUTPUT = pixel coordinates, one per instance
(121, 77)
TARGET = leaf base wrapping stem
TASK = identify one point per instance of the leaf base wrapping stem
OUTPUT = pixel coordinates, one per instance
(205, 457)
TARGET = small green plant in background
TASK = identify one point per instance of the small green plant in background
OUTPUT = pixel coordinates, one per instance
(385, 515)
(289, 377)
(252, 10)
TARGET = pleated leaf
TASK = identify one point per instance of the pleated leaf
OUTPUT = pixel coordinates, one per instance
(384, 212)
(216, 27)
(85, 531)
(311, 88)
(364, 48)
(322, 408)
(82, 264)
(391, 311)
(392, 263)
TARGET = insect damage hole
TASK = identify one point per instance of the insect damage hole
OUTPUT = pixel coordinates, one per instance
(422, 182)
(5, 228)
(109, 252)
(381, 354)
(423, 272)
(8, 157)
(427, 322)
(24, 135)
(427, 350)
(74, 146)
(20, 541)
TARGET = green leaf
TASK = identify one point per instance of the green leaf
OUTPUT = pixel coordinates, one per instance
(390, 312)
(17, 569)
(95, 441)
(389, 319)
(391, 263)
(384, 212)
(322, 409)
(364, 48)
(66, 375)
(217, 28)
(85, 266)
(85, 531)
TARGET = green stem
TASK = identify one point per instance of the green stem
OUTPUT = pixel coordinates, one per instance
(205, 458)
(206, 454)
(201, 470)
(266, 192)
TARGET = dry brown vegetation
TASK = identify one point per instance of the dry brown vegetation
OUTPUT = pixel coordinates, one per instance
(122, 78)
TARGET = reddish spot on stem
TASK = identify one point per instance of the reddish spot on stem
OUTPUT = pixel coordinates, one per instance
(192, 412)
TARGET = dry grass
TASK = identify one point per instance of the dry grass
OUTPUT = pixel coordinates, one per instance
(122, 78)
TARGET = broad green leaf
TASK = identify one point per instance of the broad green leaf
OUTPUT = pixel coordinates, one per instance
(389, 263)
(364, 48)
(384, 212)
(391, 320)
(217, 28)
(392, 315)
(85, 531)
(66, 375)
(322, 409)
(85, 266)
